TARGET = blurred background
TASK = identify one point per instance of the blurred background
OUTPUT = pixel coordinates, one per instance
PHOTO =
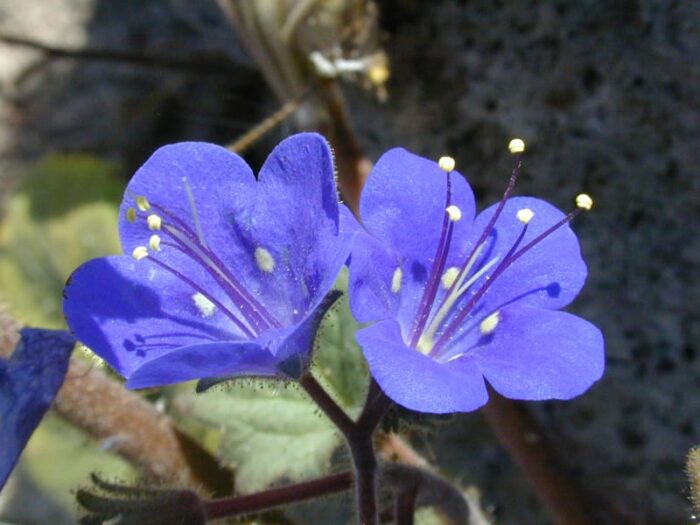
(606, 93)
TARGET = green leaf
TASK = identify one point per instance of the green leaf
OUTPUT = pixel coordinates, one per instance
(64, 213)
(338, 361)
(269, 431)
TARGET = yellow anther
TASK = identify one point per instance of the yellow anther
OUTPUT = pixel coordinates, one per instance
(449, 277)
(204, 304)
(139, 253)
(264, 260)
(154, 243)
(396, 280)
(489, 324)
(131, 214)
(446, 164)
(454, 212)
(516, 146)
(154, 222)
(525, 215)
(142, 203)
(584, 201)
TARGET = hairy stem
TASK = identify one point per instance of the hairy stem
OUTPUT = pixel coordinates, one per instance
(268, 499)
(359, 437)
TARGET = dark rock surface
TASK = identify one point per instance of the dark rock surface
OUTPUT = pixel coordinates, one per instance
(606, 94)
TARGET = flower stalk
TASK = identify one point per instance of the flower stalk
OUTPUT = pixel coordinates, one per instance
(359, 437)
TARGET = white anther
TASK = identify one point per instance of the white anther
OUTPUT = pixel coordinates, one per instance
(454, 212)
(446, 164)
(516, 146)
(139, 253)
(142, 203)
(154, 243)
(203, 304)
(449, 277)
(584, 201)
(489, 324)
(264, 260)
(154, 222)
(131, 214)
(396, 280)
(525, 215)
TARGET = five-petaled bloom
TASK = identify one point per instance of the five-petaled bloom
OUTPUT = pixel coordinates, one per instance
(223, 274)
(458, 299)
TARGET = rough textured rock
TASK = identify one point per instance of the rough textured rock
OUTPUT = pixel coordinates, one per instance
(606, 95)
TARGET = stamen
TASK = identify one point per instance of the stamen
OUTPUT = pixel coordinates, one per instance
(264, 260)
(509, 259)
(584, 201)
(447, 164)
(525, 215)
(142, 203)
(139, 253)
(131, 214)
(433, 284)
(396, 280)
(516, 146)
(454, 213)
(154, 243)
(188, 244)
(154, 222)
(242, 326)
(193, 208)
(449, 277)
(204, 304)
(489, 324)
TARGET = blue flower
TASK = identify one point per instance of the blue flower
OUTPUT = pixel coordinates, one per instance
(29, 380)
(459, 299)
(223, 274)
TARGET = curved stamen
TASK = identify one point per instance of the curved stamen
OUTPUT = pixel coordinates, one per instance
(257, 309)
(440, 259)
(247, 331)
(509, 259)
(474, 254)
(194, 253)
(457, 321)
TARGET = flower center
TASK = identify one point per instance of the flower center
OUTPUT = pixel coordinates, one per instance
(172, 233)
(436, 322)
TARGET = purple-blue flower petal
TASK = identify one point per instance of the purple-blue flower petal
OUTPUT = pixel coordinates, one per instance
(29, 381)
(129, 312)
(224, 359)
(549, 275)
(294, 215)
(418, 382)
(539, 354)
(403, 207)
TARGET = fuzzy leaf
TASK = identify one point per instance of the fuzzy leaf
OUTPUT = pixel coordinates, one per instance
(270, 431)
